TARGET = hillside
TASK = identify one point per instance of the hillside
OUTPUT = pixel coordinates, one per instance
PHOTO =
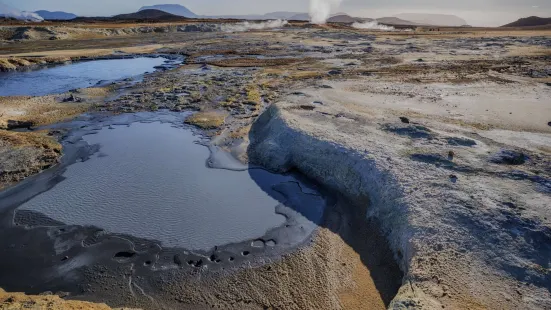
(56, 15)
(272, 15)
(433, 19)
(174, 9)
(531, 21)
(302, 16)
(9, 12)
(148, 14)
(280, 15)
(395, 21)
(345, 18)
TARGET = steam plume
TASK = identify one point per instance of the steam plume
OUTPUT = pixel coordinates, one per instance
(320, 10)
(246, 26)
(7, 11)
(372, 25)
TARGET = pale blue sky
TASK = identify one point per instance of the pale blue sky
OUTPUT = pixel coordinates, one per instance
(476, 12)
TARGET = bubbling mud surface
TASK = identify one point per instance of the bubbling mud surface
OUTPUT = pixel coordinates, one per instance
(150, 180)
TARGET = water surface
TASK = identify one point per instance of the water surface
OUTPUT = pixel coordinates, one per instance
(150, 180)
(60, 79)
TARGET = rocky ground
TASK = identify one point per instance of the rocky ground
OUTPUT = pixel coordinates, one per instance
(439, 145)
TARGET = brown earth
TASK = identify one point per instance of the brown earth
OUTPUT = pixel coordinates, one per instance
(19, 301)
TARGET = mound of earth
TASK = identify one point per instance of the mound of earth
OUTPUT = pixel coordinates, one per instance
(22, 301)
(6, 20)
(531, 21)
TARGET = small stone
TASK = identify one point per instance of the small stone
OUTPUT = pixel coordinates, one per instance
(177, 260)
(46, 293)
(451, 154)
(508, 157)
(19, 124)
(549, 124)
(72, 98)
(404, 120)
(453, 178)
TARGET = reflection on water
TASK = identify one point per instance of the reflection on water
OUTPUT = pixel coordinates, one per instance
(150, 180)
(60, 79)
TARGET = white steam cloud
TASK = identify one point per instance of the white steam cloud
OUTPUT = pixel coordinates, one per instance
(7, 11)
(374, 25)
(320, 10)
(246, 26)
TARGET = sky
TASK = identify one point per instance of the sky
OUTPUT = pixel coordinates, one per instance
(476, 12)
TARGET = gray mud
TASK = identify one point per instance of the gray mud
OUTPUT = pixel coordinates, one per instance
(135, 190)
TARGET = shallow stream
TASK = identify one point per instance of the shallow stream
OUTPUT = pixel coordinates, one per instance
(59, 79)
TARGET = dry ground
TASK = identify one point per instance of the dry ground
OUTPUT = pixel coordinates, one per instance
(349, 90)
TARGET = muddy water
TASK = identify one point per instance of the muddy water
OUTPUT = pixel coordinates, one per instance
(150, 180)
(60, 79)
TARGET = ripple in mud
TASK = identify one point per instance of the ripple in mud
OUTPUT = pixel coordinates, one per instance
(154, 183)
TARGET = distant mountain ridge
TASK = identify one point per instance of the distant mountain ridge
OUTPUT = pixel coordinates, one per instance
(433, 19)
(272, 15)
(347, 19)
(148, 14)
(8, 12)
(174, 9)
(395, 21)
(531, 21)
(58, 15)
(301, 16)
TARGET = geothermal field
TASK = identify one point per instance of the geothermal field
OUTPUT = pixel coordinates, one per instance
(150, 161)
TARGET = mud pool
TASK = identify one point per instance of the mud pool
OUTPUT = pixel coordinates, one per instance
(59, 79)
(148, 178)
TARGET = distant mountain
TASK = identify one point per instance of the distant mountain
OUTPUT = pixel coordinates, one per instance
(174, 9)
(250, 17)
(302, 16)
(342, 18)
(395, 21)
(280, 15)
(9, 12)
(56, 15)
(433, 19)
(148, 14)
(531, 21)
(273, 15)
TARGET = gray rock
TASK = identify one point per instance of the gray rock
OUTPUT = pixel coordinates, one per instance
(508, 157)
(19, 124)
(461, 141)
(412, 131)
